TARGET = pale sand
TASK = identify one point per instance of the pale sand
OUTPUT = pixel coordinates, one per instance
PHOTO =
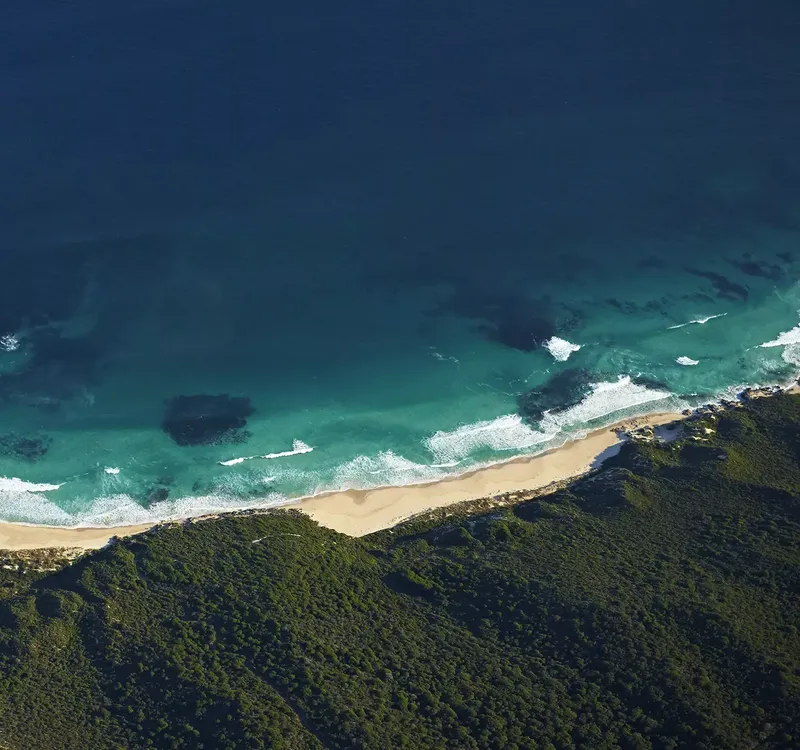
(18, 536)
(360, 512)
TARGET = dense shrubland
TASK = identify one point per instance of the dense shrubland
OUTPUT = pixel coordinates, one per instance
(652, 605)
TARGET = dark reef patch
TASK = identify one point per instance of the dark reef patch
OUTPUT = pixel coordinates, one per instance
(631, 308)
(28, 448)
(511, 319)
(563, 389)
(157, 495)
(726, 289)
(649, 382)
(761, 268)
(207, 420)
(626, 308)
(520, 333)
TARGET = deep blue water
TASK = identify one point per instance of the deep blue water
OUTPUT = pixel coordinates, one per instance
(358, 227)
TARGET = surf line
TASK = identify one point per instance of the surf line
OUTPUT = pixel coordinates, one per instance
(700, 321)
(298, 447)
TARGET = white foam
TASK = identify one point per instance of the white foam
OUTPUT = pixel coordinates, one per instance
(240, 460)
(605, 399)
(116, 510)
(123, 510)
(560, 348)
(505, 433)
(384, 469)
(234, 461)
(787, 338)
(22, 503)
(111, 470)
(790, 340)
(298, 447)
(9, 342)
(15, 484)
(791, 354)
(699, 321)
(24, 506)
(687, 362)
(443, 358)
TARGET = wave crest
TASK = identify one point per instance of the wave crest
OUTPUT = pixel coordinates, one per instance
(790, 340)
(604, 399)
(298, 447)
(560, 348)
(698, 321)
(384, 469)
(505, 433)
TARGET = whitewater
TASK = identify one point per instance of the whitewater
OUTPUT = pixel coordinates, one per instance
(441, 454)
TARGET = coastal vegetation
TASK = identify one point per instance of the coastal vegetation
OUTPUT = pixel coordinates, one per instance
(653, 604)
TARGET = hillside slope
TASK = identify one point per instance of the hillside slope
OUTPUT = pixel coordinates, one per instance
(652, 605)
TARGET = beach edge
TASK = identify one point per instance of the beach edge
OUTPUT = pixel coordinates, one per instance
(349, 512)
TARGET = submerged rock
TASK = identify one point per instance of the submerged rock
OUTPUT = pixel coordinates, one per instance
(207, 420)
(563, 389)
(157, 495)
(29, 448)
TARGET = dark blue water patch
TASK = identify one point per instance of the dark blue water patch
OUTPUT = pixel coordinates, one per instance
(774, 203)
(510, 317)
(207, 419)
(58, 369)
(765, 195)
(627, 307)
(753, 267)
(726, 289)
(37, 288)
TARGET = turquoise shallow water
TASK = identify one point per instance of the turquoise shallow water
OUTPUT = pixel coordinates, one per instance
(387, 250)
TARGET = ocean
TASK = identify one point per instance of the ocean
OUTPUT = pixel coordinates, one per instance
(253, 253)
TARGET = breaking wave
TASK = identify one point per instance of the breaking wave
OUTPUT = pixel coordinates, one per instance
(560, 348)
(298, 448)
(604, 400)
(698, 321)
(502, 434)
(9, 342)
(123, 510)
(790, 341)
(385, 468)
(15, 484)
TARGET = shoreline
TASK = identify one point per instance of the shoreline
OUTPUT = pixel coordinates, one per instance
(361, 512)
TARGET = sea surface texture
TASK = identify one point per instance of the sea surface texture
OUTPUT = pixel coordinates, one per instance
(251, 252)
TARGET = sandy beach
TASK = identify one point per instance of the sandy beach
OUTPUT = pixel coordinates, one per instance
(18, 536)
(360, 512)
